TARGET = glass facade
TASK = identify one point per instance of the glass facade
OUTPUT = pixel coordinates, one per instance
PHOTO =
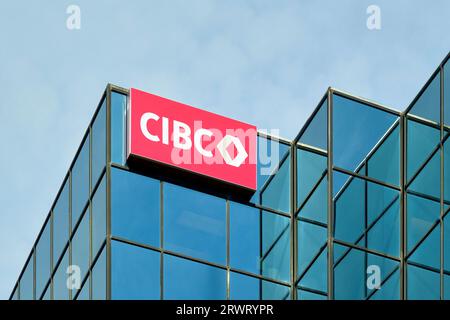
(355, 207)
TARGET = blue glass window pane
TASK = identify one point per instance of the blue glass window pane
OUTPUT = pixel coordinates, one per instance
(118, 125)
(316, 134)
(81, 246)
(311, 168)
(194, 223)
(135, 272)
(390, 288)
(84, 292)
(351, 273)
(80, 182)
(447, 170)
(311, 239)
(447, 243)
(203, 283)
(60, 289)
(276, 245)
(421, 141)
(246, 224)
(366, 208)
(384, 234)
(428, 253)
(349, 202)
(306, 295)
(27, 281)
(317, 275)
(43, 260)
(428, 181)
(428, 104)
(422, 284)
(61, 222)
(243, 287)
(316, 207)
(99, 217)
(99, 143)
(135, 207)
(420, 216)
(270, 153)
(446, 287)
(276, 194)
(354, 137)
(447, 94)
(384, 164)
(245, 239)
(99, 278)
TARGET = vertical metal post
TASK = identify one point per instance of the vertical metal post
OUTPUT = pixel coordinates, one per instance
(227, 204)
(402, 206)
(89, 211)
(330, 195)
(293, 198)
(441, 218)
(108, 192)
(161, 240)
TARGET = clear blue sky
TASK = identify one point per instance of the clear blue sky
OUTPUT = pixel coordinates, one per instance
(264, 62)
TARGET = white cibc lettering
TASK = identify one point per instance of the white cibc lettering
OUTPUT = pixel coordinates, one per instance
(181, 131)
(165, 130)
(198, 135)
(144, 119)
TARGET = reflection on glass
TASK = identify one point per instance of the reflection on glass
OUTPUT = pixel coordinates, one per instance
(354, 137)
(316, 133)
(447, 94)
(276, 194)
(135, 272)
(316, 276)
(27, 280)
(196, 225)
(99, 217)
(384, 163)
(422, 284)
(311, 239)
(447, 171)
(421, 141)
(61, 222)
(99, 143)
(352, 269)
(81, 247)
(80, 182)
(135, 207)
(99, 278)
(390, 289)
(270, 153)
(367, 214)
(203, 283)
(43, 260)
(118, 125)
(276, 244)
(243, 287)
(246, 241)
(311, 170)
(428, 253)
(428, 180)
(421, 214)
(428, 104)
(60, 289)
(307, 295)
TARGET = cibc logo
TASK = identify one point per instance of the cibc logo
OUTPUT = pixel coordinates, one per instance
(175, 134)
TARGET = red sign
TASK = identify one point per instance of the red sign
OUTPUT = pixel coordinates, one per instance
(192, 139)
